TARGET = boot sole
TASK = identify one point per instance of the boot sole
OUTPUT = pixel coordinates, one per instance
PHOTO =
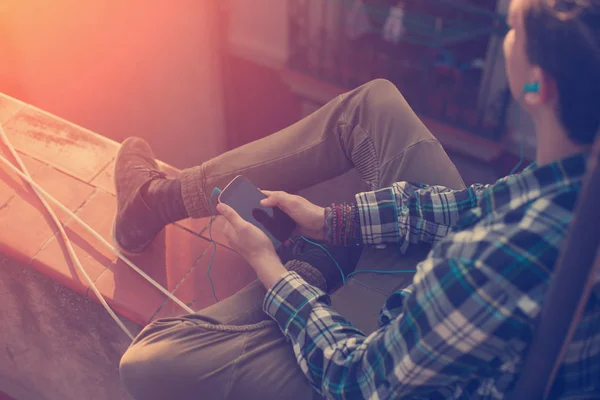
(117, 245)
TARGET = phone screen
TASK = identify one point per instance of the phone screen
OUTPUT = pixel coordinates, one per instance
(244, 198)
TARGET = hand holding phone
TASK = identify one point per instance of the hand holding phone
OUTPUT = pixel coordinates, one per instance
(309, 218)
(245, 198)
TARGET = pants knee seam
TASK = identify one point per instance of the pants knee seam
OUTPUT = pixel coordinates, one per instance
(403, 152)
(374, 166)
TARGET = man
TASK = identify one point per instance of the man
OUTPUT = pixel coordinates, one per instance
(463, 326)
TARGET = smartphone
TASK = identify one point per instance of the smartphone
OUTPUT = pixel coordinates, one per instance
(241, 195)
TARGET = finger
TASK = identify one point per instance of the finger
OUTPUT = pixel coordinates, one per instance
(269, 202)
(273, 199)
(230, 215)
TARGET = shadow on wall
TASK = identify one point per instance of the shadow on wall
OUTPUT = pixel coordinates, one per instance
(144, 68)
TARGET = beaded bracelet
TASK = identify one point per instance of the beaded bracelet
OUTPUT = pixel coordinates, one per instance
(342, 225)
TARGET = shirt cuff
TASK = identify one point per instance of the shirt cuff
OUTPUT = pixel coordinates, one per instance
(290, 301)
(378, 216)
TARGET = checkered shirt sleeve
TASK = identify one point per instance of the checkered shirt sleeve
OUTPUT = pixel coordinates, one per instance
(409, 213)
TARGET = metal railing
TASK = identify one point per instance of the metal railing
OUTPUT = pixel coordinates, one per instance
(445, 61)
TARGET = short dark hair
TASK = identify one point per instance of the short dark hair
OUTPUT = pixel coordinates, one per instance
(563, 39)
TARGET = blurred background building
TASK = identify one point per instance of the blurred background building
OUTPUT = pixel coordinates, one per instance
(198, 77)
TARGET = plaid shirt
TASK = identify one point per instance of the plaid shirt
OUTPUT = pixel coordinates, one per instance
(461, 329)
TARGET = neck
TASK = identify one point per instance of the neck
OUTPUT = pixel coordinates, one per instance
(553, 143)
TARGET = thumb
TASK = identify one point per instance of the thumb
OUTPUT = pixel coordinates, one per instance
(230, 215)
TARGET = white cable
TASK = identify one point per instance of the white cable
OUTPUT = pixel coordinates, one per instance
(24, 174)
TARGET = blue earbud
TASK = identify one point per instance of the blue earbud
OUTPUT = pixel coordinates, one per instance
(531, 87)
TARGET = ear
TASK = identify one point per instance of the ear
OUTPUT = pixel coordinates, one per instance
(547, 92)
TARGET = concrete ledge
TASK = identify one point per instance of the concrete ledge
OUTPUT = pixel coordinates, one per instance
(51, 324)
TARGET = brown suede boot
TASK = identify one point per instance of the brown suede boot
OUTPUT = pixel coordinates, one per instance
(146, 199)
